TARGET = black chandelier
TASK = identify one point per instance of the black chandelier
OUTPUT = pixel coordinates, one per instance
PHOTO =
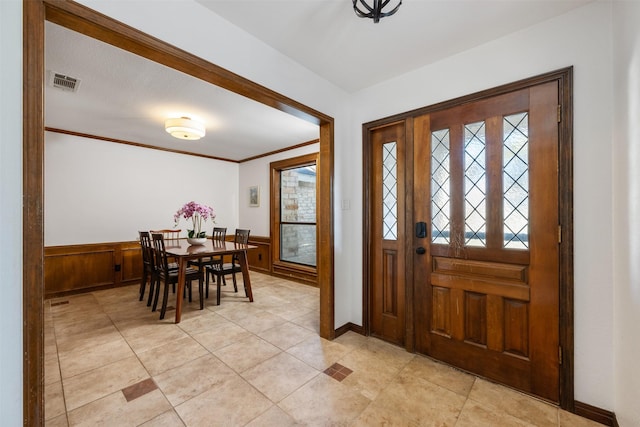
(374, 12)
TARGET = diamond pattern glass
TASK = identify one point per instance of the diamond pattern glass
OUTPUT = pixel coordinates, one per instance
(516, 181)
(389, 191)
(440, 187)
(475, 185)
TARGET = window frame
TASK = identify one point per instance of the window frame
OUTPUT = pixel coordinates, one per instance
(306, 273)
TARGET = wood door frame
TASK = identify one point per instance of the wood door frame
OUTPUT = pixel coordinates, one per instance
(93, 24)
(564, 77)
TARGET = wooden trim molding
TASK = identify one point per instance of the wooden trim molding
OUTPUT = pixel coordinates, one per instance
(282, 268)
(32, 213)
(596, 414)
(170, 150)
(350, 327)
(93, 24)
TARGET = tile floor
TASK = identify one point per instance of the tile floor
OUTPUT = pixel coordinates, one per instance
(110, 361)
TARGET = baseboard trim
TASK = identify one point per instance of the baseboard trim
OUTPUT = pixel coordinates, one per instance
(349, 327)
(596, 414)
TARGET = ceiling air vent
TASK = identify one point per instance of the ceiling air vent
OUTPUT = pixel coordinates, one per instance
(60, 81)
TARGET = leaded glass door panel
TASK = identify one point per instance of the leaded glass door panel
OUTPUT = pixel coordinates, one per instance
(485, 181)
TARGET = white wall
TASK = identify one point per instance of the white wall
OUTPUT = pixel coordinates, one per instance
(626, 198)
(97, 191)
(581, 38)
(257, 172)
(11, 211)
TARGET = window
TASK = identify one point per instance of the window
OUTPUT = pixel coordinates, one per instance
(293, 213)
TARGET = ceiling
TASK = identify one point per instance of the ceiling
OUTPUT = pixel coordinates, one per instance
(125, 97)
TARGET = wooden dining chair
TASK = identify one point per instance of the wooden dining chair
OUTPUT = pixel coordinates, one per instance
(148, 270)
(219, 234)
(170, 276)
(221, 269)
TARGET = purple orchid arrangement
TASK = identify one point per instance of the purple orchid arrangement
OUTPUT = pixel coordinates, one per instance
(197, 213)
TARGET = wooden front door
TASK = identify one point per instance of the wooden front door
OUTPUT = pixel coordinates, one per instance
(486, 286)
(387, 299)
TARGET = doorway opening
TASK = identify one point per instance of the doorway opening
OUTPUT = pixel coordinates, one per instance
(85, 20)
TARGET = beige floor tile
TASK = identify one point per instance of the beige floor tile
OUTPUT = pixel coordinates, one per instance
(310, 321)
(59, 421)
(247, 353)
(87, 340)
(166, 419)
(291, 310)
(274, 417)
(440, 374)
(517, 404)
(352, 340)
(567, 419)
(286, 335)
(114, 410)
(476, 415)
(236, 311)
(205, 322)
(76, 362)
(280, 375)
(224, 334)
(72, 326)
(232, 403)
(191, 379)
(100, 382)
(148, 336)
(318, 352)
(51, 370)
(54, 404)
(324, 401)
(171, 355)
(420, 402)
(260, 321)
(377, 415)
(371, 372)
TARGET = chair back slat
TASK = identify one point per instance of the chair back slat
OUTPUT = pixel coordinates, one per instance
(242, 236)
(219, 233)
(171, 237)
(160, 253)
(147, 248)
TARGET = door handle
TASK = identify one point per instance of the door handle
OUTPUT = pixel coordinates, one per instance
(421, 229)
(421, 251)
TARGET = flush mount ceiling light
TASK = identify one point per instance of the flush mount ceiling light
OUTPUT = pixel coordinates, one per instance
(374, 12)
(184, 128)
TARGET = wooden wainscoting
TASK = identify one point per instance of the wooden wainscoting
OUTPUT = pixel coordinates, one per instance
(260, 259)
(82, 268)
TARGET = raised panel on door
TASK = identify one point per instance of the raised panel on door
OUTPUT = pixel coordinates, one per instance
(487, 288)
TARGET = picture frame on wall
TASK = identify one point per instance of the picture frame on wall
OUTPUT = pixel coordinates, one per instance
(254, 196)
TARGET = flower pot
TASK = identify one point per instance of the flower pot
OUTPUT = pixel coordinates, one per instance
(196, 240)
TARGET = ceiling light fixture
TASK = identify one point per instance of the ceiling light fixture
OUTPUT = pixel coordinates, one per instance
(374, 12)
(184, 128)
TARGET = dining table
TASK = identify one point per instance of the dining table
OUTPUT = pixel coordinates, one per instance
(184, 252)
